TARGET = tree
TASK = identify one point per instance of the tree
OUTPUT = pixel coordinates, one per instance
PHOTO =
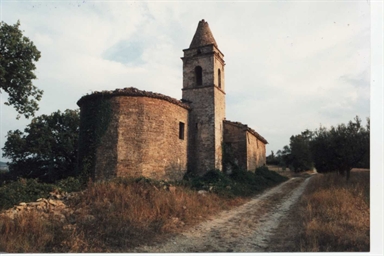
(341, 148)
(47, 149)
(300, 156)
(272, 159)
(284, 156)
(17, 57)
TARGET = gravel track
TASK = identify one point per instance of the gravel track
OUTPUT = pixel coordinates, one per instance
(247, 228)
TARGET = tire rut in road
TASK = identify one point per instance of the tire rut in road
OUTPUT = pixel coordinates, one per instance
(246, 228)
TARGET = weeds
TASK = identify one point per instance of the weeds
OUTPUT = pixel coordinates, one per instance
(238, 184)
(22, 190)
(335, 214)
(29, 233)
(27, 190)
(115, 215)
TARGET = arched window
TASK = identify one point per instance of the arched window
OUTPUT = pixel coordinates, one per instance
(199, 75)
(219, 74)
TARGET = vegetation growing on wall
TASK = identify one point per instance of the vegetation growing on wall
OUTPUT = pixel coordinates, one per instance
(230, 158)
(96, 115)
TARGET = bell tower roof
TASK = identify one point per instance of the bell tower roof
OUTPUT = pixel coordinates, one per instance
(203, 36)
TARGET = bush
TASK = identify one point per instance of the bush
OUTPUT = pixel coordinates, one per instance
(239, 183)
(23, 190)
(29, 190)
(70, 184)
(269, 175)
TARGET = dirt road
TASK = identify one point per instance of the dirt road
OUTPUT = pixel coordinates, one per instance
(248, 228)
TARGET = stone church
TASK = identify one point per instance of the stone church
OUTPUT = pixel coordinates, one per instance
(130, 132)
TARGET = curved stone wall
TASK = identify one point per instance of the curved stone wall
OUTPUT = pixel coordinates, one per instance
(143, 136)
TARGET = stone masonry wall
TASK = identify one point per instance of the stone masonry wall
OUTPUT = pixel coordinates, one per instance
(106, 153)
(219, 101)
(148, 138)
(255, 152)
(207, 102)
(129, 132)
(244, 145)
(235, 146)
(201, 146)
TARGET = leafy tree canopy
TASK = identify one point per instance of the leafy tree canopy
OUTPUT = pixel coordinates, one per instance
(338, 149)
(47, 149)
(17, 57)
(341, 148)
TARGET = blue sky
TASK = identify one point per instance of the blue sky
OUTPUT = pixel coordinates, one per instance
(290, 66)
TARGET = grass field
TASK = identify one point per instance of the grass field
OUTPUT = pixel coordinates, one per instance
(116, 215)
(335, 214)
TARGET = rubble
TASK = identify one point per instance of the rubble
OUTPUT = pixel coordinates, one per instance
(55, 206)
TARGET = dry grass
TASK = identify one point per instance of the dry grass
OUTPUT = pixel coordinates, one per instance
(335, 214)
(113, 217)
(126, 215)
(28, 233)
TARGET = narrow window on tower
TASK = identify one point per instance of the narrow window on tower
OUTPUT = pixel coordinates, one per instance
(219, 76)
(181, 130)
(199, 75)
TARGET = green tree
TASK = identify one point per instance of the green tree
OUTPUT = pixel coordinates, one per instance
(17, 57)
(47, 149)
(272, 159)
(300, 156)
(341, 148)
(284, 156)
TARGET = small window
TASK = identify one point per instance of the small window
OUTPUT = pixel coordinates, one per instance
(199, 75)
(181, 130)
(219, 76)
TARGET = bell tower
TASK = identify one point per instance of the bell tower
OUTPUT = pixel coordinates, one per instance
(204, 89)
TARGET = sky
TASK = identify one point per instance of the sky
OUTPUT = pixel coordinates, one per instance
(290, 66)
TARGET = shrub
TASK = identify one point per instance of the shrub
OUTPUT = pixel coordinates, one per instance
(239, 183)
(23, 190)
(70, 184)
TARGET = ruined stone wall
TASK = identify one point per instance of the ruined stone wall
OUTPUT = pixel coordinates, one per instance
(235, 147)
(106, 152)
(207, 102)
(255, 152)
(201, 146)
(219, 81)
(202, 57)
(97, 152)
(148, 138)
(128, 132)
(243, 146)
(219, 101)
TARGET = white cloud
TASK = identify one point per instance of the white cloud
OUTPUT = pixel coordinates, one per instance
(290, 65)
